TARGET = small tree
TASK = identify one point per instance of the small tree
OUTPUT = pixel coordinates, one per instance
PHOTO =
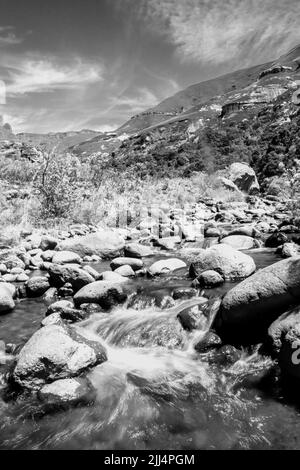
(57, 185)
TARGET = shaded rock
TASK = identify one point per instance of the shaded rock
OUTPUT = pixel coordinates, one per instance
(134, 263)
(209, 342)
(165, 266)
(66, 257)
(285, 341)
(231, 264)
(184, 293)
(103, 243)
(194, 318)
(55, 352)
(276, 239)
(63, 274)
(226, 356)
(37, 286)
(104, 293)
(48, 243)
(248, 309)
(68, 392)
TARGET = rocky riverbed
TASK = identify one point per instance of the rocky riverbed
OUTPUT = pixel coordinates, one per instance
(185, 325)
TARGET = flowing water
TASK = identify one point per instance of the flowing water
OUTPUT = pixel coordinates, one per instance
(155, 391)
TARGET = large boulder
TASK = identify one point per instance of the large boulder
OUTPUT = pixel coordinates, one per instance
(284, 335)
(231, 264)
(240, 242)
(249, 308)
(104, 293)
(244, 178)
(69, 274)
(7, 303)
(56, 352)
(104, 243)
(166, 266)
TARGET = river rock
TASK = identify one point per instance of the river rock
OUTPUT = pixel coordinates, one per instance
(7, 303)
(106, 294)
(184, 293)
(68, 392)
(114, 277)
(165, 266)
(194, 318)
(66, 257)
(248, 309)
(136, 250)
(60, 306)
(210, 279)
(231, 264)
(95, 274)
(103, 243)
(48, 243)
(240, 242)
(288, 250)
(73, 274)
(284, 335)
(37, 286)
(125, 271)
(276, 239)
(134, 263)
(209, 342)
(12, 261)
(56, 352)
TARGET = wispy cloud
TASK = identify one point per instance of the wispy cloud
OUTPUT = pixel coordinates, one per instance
(40, 75)
(8, 37)
(215, 31)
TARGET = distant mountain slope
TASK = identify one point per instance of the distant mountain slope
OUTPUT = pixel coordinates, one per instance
(236, 96)
(60, 140)
(192, 96)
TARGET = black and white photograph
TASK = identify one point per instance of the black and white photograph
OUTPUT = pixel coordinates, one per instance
(149, 228)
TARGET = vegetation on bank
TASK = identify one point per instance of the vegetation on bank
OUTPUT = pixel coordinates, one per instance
(65, 190)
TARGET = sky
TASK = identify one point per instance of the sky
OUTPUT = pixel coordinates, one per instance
(77, 64)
